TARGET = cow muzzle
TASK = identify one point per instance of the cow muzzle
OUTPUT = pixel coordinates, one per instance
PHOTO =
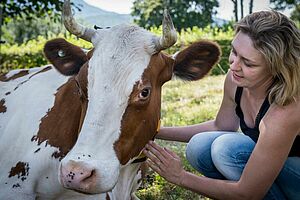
(78, 176)
(82, 177)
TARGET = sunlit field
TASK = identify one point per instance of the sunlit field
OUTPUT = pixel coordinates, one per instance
(183, 103)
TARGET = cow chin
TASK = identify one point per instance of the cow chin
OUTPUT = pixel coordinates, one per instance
(84, 178)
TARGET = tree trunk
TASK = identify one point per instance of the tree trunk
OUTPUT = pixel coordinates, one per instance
(242, 8)
(1, 22)
(235, 9)
(250, 6)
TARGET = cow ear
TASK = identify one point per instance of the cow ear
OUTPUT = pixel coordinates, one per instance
(194, 62)
(66, 57)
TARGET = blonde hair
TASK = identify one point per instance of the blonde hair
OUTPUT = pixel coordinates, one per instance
(278, 39)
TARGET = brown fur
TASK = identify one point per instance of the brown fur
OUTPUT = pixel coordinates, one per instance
(2, 106)
(71, 62)
(194, 62)
(140, 120)
(22, 73)
(21, 170)
(61, 125)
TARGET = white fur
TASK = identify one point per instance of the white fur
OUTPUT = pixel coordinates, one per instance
(113, 70)
(121, 55)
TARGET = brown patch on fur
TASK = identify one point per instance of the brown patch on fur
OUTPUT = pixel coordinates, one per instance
(21, 170)
(60, 127)
(41, 71)
(2, 106)
(140, 120)
(107, 197)
(22, 73)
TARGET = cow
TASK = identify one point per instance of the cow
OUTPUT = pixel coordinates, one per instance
(75, 129)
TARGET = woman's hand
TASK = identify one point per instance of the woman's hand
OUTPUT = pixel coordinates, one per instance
(165, 162)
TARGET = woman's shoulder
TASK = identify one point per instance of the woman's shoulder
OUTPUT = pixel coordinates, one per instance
(286, 117)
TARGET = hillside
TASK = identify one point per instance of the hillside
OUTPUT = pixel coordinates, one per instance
(97, 16)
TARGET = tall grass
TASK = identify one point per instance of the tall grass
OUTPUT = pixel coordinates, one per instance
(183, 103)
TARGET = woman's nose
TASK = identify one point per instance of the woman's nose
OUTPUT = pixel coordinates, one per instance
(234, 64)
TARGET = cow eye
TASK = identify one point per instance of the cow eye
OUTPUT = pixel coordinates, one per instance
(144, 94)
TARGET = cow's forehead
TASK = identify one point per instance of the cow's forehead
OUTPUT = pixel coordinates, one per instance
(120, 56)
(124, 37)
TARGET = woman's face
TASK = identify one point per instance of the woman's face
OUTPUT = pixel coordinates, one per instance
(247, 65)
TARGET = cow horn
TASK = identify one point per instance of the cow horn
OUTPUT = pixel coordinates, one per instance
(169, 36)
(72, 26)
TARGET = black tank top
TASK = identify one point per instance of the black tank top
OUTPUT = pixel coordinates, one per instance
(253, 133)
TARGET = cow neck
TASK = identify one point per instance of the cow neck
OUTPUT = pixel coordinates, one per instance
(61, 125)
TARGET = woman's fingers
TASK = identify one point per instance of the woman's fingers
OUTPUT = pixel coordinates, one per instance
(171, 152)
(154, 166)
(157, 151)
(163, 161)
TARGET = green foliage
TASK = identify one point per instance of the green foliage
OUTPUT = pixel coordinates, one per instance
(13, 8)
(222, 36)
(295, 15)
(184, 13)
(30, 54)
(183, 103)
(21, 30)
(283, 4)
(291, 4)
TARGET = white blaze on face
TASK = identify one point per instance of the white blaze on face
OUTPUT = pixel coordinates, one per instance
(121, 55)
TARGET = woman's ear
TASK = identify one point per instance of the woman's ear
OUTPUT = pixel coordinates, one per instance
(195, 61)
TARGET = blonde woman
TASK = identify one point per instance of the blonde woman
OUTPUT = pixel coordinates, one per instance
(262, 97)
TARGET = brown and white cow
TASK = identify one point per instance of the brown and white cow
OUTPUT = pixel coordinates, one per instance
(72, 130)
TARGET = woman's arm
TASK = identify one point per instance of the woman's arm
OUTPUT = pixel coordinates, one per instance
(278, 130)
(226, 119)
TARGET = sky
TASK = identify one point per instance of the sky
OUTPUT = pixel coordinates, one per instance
(225, 10)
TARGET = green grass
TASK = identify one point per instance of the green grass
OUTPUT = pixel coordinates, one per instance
(183, 103)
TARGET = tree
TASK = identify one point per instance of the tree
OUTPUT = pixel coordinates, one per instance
(26, 19)
(21, 30)
(291, 4)
(295, 15)
(235, 9)
(13, 8)
(250, 6)
(184, 13)
(28, 9)
(283, 4)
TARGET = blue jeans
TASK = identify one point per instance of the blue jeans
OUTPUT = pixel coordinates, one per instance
(223, 155)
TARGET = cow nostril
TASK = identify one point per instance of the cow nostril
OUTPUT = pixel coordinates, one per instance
(90, 176)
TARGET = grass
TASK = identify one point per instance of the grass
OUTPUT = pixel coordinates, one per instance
(183, 103)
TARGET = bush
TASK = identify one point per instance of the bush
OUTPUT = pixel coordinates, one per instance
(30, 54)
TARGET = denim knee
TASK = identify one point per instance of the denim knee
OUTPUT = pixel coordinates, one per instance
(230, 154)
(198, 153)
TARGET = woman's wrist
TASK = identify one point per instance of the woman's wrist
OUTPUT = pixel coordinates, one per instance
(182, 179)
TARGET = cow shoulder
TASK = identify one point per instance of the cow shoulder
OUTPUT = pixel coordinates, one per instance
(196, 60)
(66, 57)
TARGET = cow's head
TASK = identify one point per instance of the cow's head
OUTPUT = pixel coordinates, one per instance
(120, 80)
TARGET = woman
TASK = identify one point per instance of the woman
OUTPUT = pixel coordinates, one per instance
(262, 97)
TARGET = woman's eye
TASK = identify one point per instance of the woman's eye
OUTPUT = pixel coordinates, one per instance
(145, 93)
(233, 51)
